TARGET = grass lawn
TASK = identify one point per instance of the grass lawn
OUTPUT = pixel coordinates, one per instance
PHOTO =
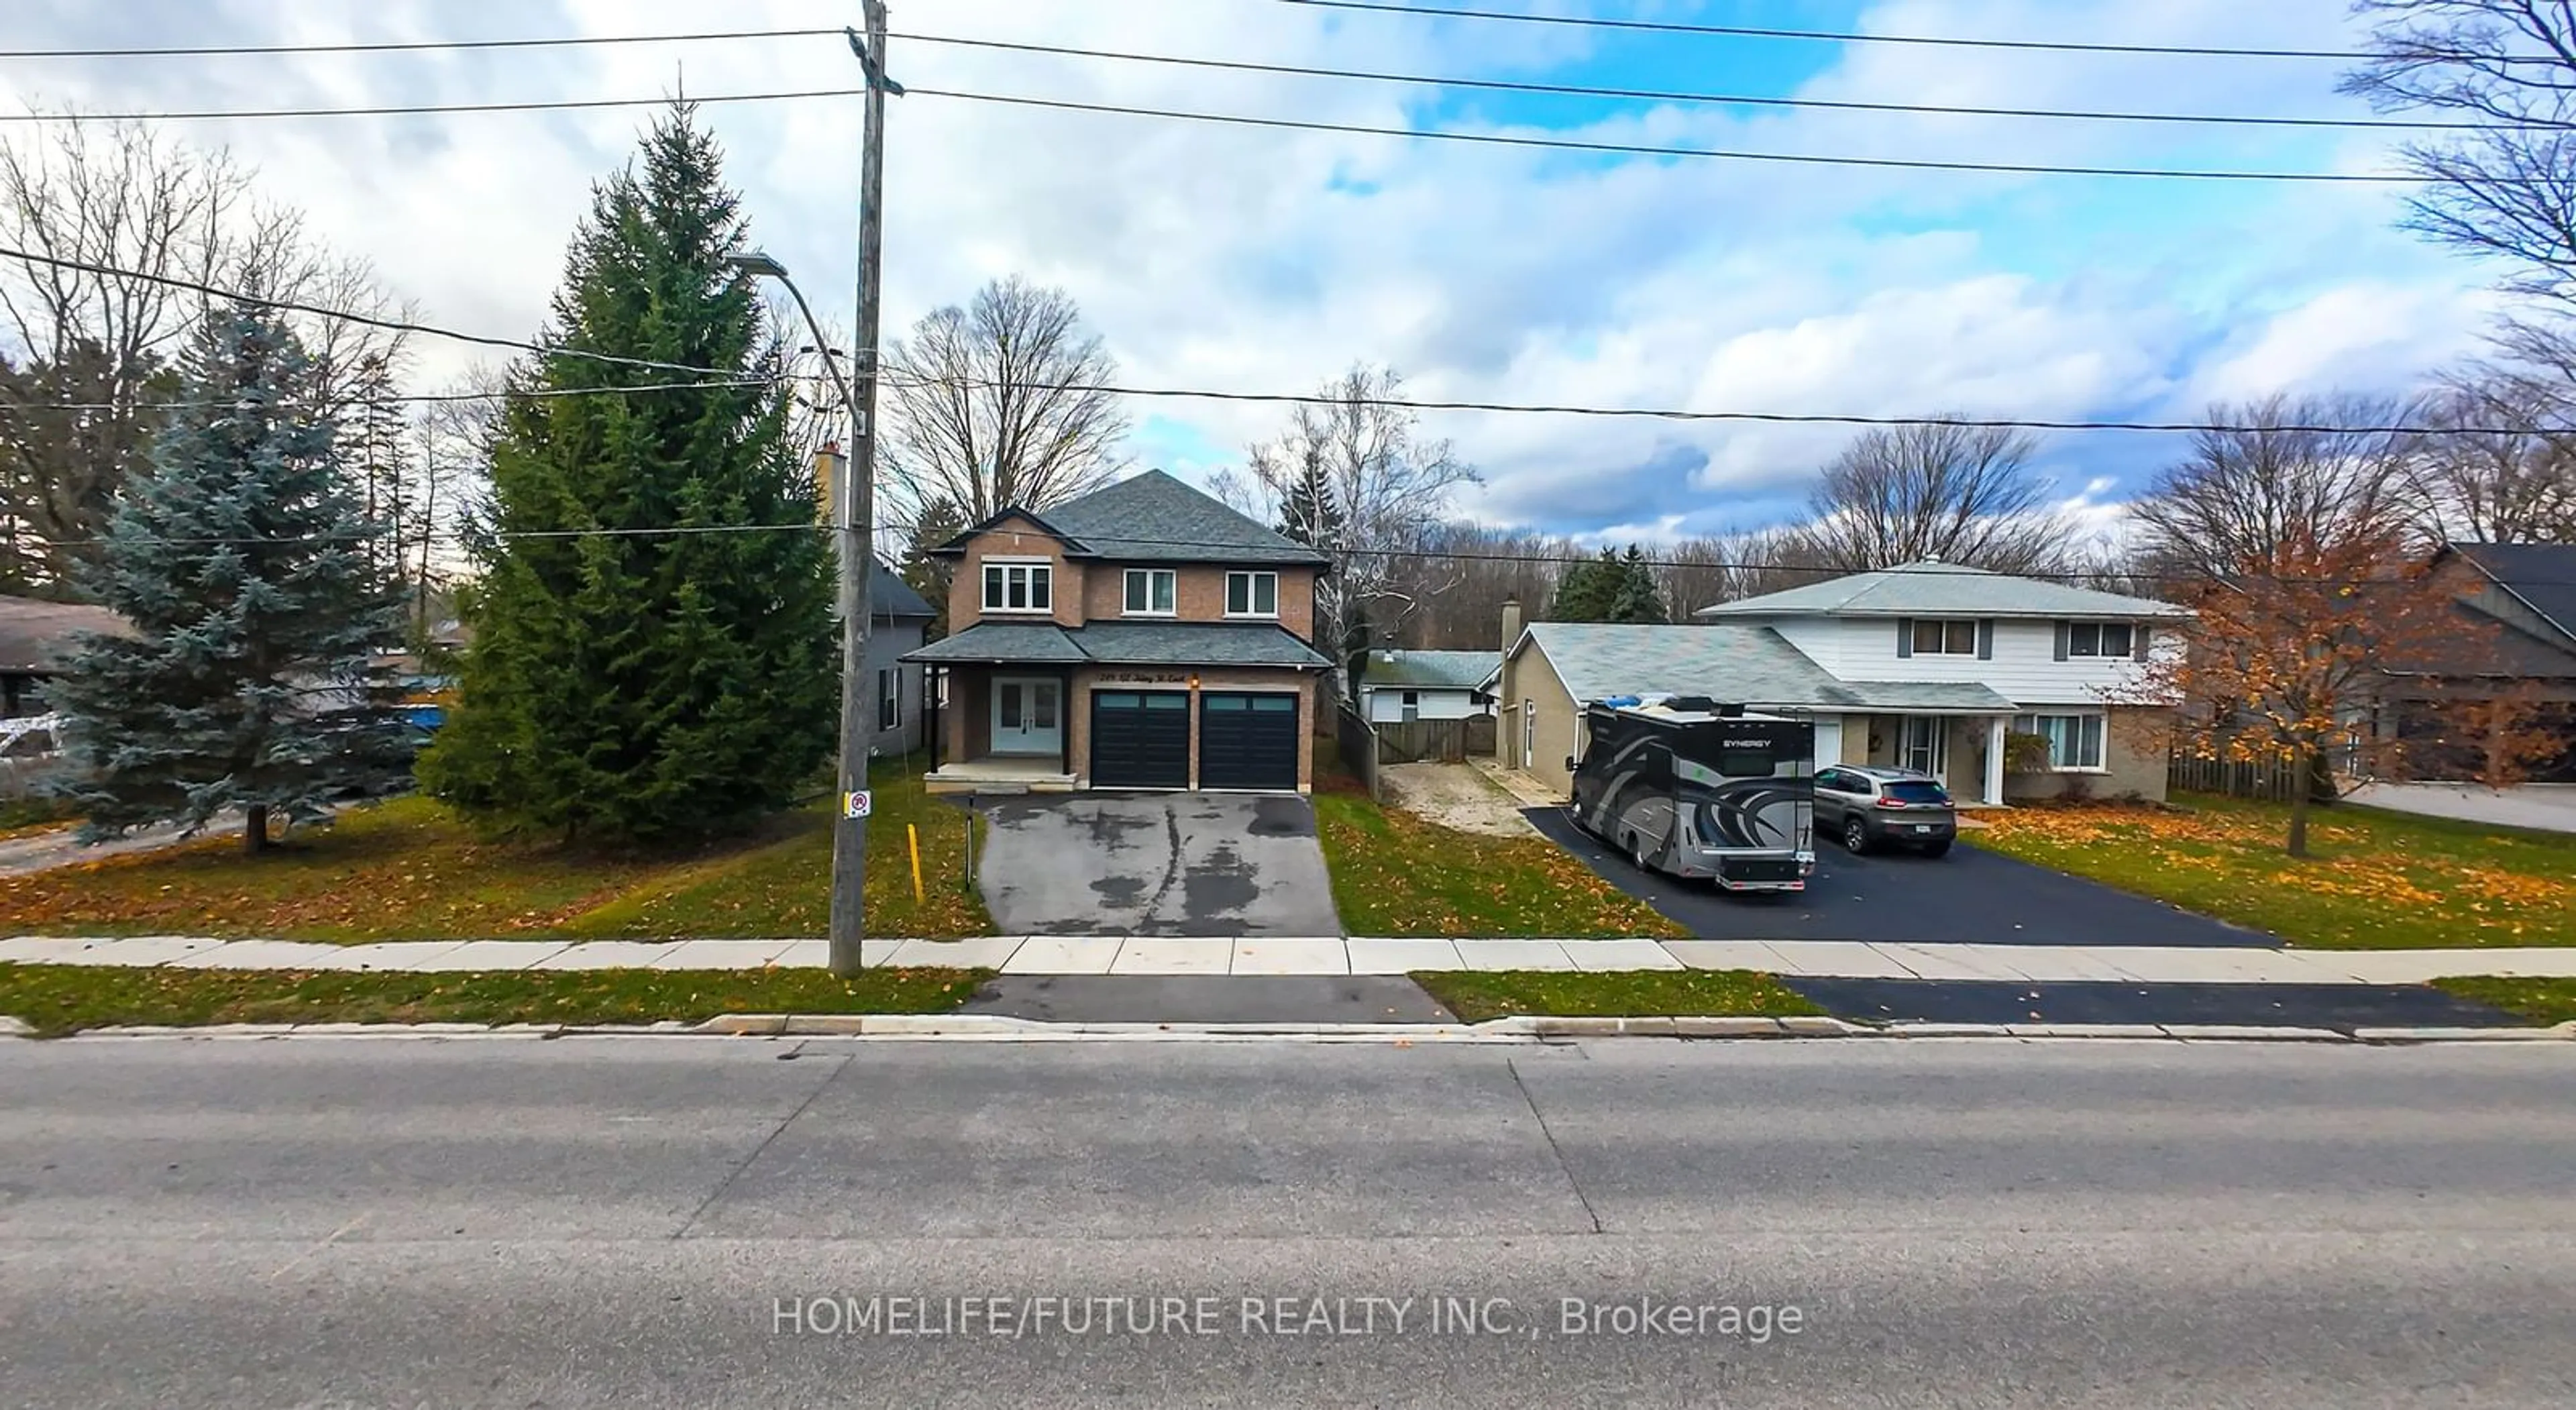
(2377, 881)
(59, 999)
(408, 869)
(2545, 1002)
(1477, 995)
(25, 817)
(1395, 874)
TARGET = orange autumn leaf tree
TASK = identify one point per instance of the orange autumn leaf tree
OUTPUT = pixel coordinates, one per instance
(2287, 660)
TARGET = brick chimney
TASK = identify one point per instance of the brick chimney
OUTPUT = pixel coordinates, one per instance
(1511, 622)
(828, 466)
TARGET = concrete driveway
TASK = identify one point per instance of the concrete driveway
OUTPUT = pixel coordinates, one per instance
(1216, 864)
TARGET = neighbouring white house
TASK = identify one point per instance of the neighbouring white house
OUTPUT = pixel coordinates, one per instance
(1426, 685)
(1928, 666)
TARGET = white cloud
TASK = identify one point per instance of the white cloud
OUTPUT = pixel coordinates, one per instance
(1247, 259)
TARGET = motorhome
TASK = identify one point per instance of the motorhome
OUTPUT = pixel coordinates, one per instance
(1692, 788)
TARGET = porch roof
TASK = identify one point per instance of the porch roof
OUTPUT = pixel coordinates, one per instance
(1927, 697)
(1123, 644)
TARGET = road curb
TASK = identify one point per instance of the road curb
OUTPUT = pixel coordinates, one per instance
(1521, 1029)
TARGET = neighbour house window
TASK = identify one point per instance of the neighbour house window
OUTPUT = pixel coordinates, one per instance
(1938, 637)
(1018, 587)
(889, 699)
(2100, 638)
(1252, 594)
(2074, 741)
(1412, 704)
(1150, 592)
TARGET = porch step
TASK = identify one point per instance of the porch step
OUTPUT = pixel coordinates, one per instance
(992, 787)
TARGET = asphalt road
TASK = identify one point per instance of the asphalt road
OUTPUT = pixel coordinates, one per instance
(688, 1223)
(1155, 864)
(1971, 896)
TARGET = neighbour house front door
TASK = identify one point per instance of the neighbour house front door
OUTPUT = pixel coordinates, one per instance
(1028, 716)
(1925, 746)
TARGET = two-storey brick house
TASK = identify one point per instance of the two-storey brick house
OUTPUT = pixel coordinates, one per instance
(1141, 636)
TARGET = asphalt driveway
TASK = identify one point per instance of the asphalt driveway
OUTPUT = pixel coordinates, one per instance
(1971, 897)
(1216, 864)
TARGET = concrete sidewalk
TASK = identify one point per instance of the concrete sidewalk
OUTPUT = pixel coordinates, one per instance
(1060, 955)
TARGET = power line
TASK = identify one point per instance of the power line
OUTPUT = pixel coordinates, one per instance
(197, 51)
(1569, 144)
(1725, 99)
(1292, 398)
(393, 398)
(1566, 144)
(365, 319)
(1245, 66)
(1849, 37)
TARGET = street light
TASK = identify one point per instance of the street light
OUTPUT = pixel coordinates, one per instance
(851, 529)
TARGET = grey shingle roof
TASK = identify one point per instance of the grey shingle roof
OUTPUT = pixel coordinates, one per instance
(1036, 643)
(1733, 664)
(1435, 670)
(1925, 695)
(1153, 518)
(2541, 574)
(1123, 644)
(1941, 590)
(36, 635)
(1196, 644)
(890, 596)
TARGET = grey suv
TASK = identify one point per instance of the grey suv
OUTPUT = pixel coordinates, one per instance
(1871, 805)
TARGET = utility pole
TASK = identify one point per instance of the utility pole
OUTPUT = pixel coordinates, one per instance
(855, 523)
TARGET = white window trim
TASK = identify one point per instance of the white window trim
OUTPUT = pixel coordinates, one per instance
(1251, 594)
(1944, 623)
(1150, 574)
(2097, 653)
(2034, 716)
(997, 561)
(890, 697)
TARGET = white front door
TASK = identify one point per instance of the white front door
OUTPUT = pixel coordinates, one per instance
(1028, 716)
(1925, 747)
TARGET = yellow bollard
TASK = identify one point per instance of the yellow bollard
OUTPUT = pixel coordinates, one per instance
(914, 833)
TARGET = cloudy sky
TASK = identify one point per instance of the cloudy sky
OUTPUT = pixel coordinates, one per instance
(1265, 260)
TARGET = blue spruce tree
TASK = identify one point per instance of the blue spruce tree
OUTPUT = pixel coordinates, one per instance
(242, 563)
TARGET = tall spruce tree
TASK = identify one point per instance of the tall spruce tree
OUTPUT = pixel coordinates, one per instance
(1636, 598)
(243, 564)
(650, 659)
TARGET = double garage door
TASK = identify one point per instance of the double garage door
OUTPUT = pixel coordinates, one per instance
(1141, 739)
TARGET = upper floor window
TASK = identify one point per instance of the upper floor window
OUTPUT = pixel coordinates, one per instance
(1252, 594)
(1018, 587)
(1935, 636)
(2100, 638)
(1150, 592)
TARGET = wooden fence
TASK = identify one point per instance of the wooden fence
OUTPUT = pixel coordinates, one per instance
(1357, 744)
(2270, 782)
(1446, 741)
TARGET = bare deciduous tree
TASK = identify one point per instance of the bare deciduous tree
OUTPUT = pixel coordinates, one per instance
(1387, 485)
(2499, 465)
(1961, 494)
(2504, 185)
(999, 403)
(2323, 471)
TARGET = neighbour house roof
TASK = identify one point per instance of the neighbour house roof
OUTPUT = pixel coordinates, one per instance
(1941, 590)
(1736, 664)
(2543, 575)
(36, 635)
(1123, 644)
(1428, 670)
(890, 596)
(1154, 518)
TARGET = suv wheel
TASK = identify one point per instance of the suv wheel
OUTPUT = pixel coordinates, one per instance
(1855, 835)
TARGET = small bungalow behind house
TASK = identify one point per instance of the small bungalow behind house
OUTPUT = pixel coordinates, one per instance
(1425, 685)
(1142, 636)
(1927, 666)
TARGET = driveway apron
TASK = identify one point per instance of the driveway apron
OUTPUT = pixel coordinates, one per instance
(1206, 864)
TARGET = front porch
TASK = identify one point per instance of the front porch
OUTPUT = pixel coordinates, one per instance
(998, 774)
(1004, 730)
(1965, 751)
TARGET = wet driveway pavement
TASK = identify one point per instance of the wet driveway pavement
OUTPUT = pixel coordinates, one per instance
(1968, 897)
(1217, 864)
